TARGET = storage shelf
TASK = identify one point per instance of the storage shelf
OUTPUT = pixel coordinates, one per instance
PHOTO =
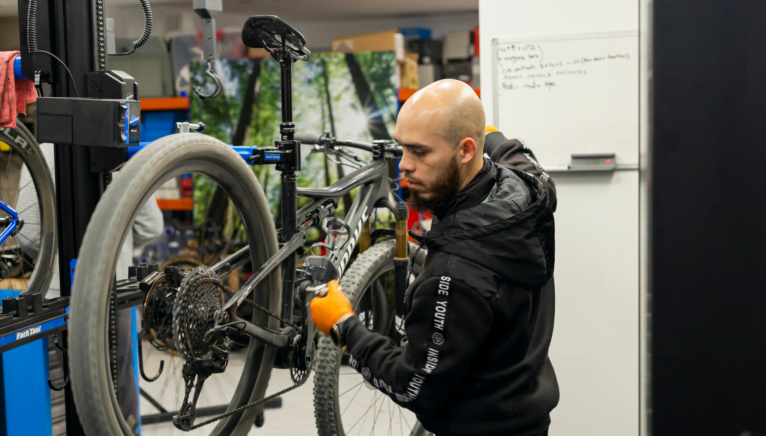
(164, 103)
(175, 203)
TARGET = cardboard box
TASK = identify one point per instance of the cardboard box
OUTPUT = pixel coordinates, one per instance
(408, 72)
(390, 40)
(457, 46)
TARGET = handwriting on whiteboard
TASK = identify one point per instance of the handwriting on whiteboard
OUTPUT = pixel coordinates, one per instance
(524, 66)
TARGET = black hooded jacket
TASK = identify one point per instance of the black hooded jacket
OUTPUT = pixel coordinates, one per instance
(479, 315)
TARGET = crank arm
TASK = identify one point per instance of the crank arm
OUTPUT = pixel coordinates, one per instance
(280, 339)
(288, 249)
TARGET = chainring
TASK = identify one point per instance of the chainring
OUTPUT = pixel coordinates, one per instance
(198, 303)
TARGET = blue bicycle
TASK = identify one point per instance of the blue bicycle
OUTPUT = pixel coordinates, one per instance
(27, 213)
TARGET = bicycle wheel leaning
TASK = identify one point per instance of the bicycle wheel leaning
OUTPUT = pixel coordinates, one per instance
(94, 391)
(344, 403)
(27, 255)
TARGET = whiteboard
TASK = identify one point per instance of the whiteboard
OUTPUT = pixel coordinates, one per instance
(569, 94)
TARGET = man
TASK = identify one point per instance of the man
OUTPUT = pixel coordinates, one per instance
(480, 314)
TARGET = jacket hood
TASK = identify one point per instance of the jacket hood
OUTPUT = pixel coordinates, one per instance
(511, 234)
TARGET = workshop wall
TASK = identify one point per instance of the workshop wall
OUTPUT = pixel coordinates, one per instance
(318, 33)
(595, 347)
(9, 33)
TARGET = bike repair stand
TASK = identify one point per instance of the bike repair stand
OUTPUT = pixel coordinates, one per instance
(91, 133)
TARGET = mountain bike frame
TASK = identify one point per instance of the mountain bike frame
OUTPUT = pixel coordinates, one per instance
(374, 192)
(11, 222)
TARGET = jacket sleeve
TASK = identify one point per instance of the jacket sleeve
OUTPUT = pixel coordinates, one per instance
(513, 152)
(445, 328)
(149, 223)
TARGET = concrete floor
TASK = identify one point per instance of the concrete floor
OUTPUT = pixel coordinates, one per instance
(366, 411)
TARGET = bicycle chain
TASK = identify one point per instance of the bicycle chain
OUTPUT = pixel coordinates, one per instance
(247, 406)
(251, 302)
(113, 342)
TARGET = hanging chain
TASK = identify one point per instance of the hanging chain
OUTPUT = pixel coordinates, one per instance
(113, 343)
(101, 34)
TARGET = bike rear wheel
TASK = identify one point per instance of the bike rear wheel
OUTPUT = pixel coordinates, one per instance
(344, 403)
(27, 260)
(91, 378)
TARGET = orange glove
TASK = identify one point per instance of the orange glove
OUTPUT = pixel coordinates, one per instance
(326, 310)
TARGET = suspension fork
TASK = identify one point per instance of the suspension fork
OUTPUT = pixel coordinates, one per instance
(401, 261)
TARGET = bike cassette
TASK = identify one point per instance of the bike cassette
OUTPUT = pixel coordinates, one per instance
(197, 309)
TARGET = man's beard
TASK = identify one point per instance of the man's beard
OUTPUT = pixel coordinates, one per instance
(445, 187)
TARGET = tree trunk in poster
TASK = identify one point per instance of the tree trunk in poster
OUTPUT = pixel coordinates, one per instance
(346, 198)
(248, 103)
(375, 121)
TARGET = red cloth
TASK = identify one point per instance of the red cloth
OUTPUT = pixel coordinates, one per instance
(14, 94)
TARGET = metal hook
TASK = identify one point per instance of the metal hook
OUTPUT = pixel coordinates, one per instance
(218, 85)
(66, 379)
(141, 361)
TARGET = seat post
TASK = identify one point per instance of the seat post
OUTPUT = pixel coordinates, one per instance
(289, 200)
(286, 62)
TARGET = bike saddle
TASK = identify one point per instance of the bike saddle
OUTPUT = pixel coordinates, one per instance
(267, 31)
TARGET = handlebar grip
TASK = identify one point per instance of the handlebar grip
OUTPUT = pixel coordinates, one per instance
(308, 138)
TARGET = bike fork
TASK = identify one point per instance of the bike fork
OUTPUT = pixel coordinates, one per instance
(401, 264)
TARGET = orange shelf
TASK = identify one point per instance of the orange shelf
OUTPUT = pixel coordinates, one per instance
(405, 94)
(175, 203)
(164, 103)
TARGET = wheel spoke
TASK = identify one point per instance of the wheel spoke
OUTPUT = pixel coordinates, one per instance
(19, 190)
(7, 273)
(7, 166)
(375, 398)
(401, 426)
(352, 399)
(405, 419)
(376, 416)
(26, 209)
(31, 241)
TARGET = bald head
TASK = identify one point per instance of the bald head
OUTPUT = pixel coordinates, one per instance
(451, 109)
(441, 130)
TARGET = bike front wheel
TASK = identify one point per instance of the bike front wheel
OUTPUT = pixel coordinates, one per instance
(344, 403)
(90, 329)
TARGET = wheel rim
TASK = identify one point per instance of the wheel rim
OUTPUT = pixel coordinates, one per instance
(95, 381)
(26, 185)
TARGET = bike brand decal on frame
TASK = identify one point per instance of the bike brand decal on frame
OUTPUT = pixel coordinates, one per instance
(352, 242)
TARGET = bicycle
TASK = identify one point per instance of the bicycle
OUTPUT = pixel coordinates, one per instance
(192, 304)
(28, 219)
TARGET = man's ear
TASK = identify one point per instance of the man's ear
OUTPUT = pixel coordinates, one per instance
(467, 150)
